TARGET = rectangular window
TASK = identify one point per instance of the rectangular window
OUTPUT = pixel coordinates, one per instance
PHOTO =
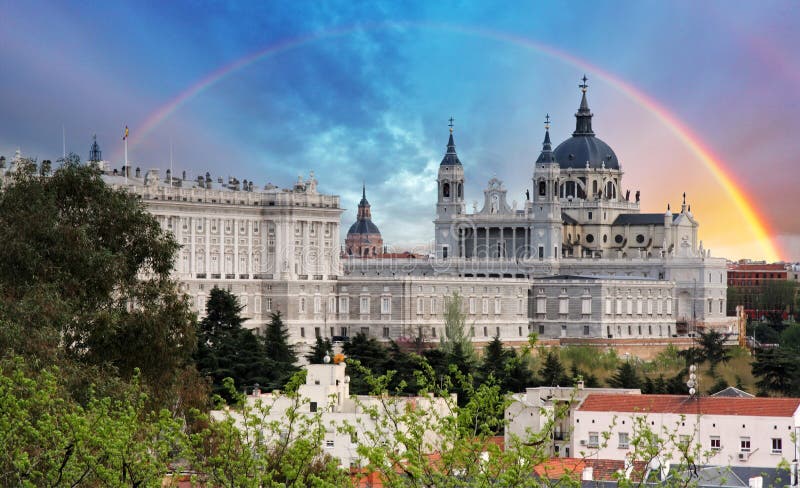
(433, 305)
(344, 304)
(471, 305)
(364, 305)
(497, 306)
(594, 439)
(623, 440)
(629, 306)
(365, 331)
(329, 444)
(433, 331)
(313, 406)
(386, 305)
(317, 304)
(669, 306)
(609, 309)
(639, 305)
(660, 308)
(331, 305)
(649, 306)
(444, 252)
(541, 253)
(586, 330)
(716, 443)
(302, 331)
(485, 306)
(420, 306)
(721, 306)
(541, 305)
(386, 332)
(619, 306)
(497, 331)
(563, 306)
(777, 445)
(541, 329)
(586, 306)
(744, 443)
(302, 305)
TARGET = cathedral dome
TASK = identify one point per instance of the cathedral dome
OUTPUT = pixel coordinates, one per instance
(578, 149)
(584, 147)
(363, 227)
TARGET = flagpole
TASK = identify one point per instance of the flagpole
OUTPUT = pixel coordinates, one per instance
(64, 141)
(125, 169)
(170, 161)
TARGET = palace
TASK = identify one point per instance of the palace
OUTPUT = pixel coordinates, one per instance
(577, 260)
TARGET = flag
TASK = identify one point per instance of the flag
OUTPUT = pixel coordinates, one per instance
(125, 137)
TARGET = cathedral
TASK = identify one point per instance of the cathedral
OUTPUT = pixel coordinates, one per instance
(577, 261)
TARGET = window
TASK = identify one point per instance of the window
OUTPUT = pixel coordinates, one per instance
(385, 332)
(629, 306)
(716, 444)
(302, 305)
(594, 439)
(433, 306)
(619, 306)
(364, 305)
(541, 305)
(317, 304)
(721, 306)
(433, 331)
(563, 306)
(683, 441)
(541, 253)
(344, 304)
(497, 306)
(541, 329)
(317, 332)
(639, 305)
(623, 440)
(485, 306)
(386, 305)
(542, 188)
(586, 306)
(744, 443)
(609, 309)
(649, 306)
(313, 406)
(420, 306)
(777, 446)
(586, 330)
(365, 331)
(472, 305)
(302, 331)
(444, 252)
(590, 218)
(329, 443)
(669, 306)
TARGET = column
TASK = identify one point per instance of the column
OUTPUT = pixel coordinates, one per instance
(221, 258)
(250, 269)
(236, 270)
(462, 241)
(514, 242)
(486, 230)
(192, 248)
(207, 264)
(501, 248)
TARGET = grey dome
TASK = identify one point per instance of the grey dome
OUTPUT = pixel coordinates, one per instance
(575, 151)
(363, 227)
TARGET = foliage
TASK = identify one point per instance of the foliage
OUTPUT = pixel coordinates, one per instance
(625, 377)
(279, 352)
(511, 370)
(85, 283)
(225, 349)
(370, 354)
(320, 349)
(778, 371)
(553, 372)
(455, 340)
(49, 440)
(712, 348)
(790, 338)
(720, 385)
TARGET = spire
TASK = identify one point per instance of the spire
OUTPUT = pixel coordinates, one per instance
(450, 157)
(94, 153)
(363, 201)
(583, 122)
(546, 155)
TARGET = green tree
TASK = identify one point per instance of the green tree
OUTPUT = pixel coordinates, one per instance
(455, 329)
(712, 348)
(553, 372)
(320, 349)
(279, 352)
(85, 283)
(510, 369)
(790, 338)
(625, 377)
(225, 349)
(370, 354)
(778, 371)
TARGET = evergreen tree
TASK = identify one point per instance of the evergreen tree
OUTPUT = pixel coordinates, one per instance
(278, 350)
(553, 372)
(778, 371)
(495, 360)
(320, 349)
(589, 380)
(625, 377)
(720, 385)
(370, 354)
(712, 348)
(225, 349)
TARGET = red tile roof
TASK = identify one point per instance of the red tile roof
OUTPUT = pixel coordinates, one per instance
(763, 407)
(602, 469)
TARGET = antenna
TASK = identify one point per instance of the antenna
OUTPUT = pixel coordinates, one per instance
(170, 158)
(63, 141)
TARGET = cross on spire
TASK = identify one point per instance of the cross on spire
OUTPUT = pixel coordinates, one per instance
(451, 124)
(547, 122)
(583, 86)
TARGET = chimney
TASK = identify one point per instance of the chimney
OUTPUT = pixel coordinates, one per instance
(138, 172)
(588, 473)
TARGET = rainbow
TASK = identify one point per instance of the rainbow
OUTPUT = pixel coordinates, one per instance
(747, 208)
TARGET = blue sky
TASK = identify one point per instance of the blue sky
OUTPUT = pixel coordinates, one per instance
(368, 97)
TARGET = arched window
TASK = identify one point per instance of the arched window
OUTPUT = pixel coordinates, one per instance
(460, 191)
(594, 187)
(609, 190)
(446, 190)
(542, 188)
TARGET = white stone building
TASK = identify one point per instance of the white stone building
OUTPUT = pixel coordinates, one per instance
(347, 419)
(758, 432)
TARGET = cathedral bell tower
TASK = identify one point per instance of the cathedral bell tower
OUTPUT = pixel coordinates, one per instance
(450, 199)
(547, 225)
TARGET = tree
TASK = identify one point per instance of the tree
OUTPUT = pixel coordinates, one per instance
(553, 372)
(320, 349)
(455, 323)
(510, 369)
(790, 338)
(778, 371)
(370, 354)
(712, 348)
(625, 377)
(278, 350)
(225, 349)
(85, 283)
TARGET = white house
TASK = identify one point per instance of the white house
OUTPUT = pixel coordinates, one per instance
(756, 432)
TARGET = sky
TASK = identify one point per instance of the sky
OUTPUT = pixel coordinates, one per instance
(695, 97)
